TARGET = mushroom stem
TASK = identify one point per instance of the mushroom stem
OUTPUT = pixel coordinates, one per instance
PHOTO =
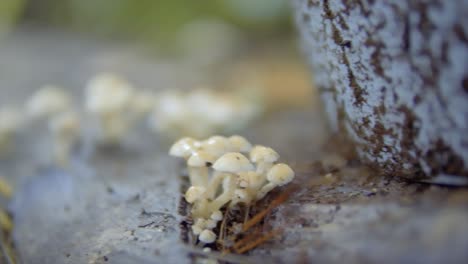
(265, 189)
(241, 196)
(113, 127)
(213, 185)
(62, 148)
(200, 209)
(229, 186)
(198, 176)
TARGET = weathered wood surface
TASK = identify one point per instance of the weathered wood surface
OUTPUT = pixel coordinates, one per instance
(122, 206)
(394, 76)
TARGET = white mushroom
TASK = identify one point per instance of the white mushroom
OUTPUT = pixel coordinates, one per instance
(170, 114)
(278, 175)
(194, 193)
(108, 97)
(198, 165)
(199, 226)
(216, 145)
(239, 144)
(48, 100)
(229, 164)
(217, 216)
(65, 129)
(233, 162)
(207, 236)
(108, 93)
(210, 223)
(184, 147)
(264, 157)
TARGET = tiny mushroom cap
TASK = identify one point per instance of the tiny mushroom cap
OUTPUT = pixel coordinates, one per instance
(184, 147)
(263, 154)
(217, 215)
(207, 236)
(196, 229)
(210, 223)
(239, 144)
(107, 93)
(194, 193)
(48, 100)
(233, 162)
(280, 174)
(216, 145)
(201, 159)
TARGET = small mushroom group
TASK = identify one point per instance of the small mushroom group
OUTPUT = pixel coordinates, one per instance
(54, 105)
(226, 171)
(108, 98)
(201, 112)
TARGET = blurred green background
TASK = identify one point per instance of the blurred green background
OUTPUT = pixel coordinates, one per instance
(153, 22)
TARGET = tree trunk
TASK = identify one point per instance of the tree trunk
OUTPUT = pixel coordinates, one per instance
(393, 76)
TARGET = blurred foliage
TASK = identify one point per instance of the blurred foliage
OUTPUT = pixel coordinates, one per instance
(158, 21)
(9, 11)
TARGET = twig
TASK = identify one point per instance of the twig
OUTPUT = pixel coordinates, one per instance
(257, 242)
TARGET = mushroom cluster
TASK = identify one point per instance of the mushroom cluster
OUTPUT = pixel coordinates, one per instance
(113, 106)
(226, 171)
(54, 105)
(201, 112)
(108, 99)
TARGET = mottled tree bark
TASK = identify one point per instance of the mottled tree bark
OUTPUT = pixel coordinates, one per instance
(393, 76)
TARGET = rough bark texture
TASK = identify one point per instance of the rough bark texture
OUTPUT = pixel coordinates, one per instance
(394, 76)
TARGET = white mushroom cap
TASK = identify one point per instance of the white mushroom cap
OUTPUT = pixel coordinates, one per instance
(199, 226)
(108, 93)
(171, 107)
(216, 145)
(263, 154)
(207, 236)
(194, 193)
(201, 159)
(233, 162)
(217, 215)
(280, 174)
(184, 147)
(48, 100)
(210, 223)
(196, 229)
(206, 249)
(239, 144)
